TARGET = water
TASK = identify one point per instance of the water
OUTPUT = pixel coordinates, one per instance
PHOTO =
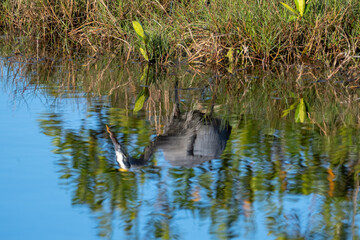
(241, 172)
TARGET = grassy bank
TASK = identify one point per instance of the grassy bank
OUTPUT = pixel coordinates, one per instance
(223, 32)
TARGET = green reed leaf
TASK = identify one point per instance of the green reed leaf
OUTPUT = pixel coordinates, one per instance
(289, 8)
(292, 18)
(296, 4)
(230, 56)
(140, 31)
(307, 8)
(301, 6)
(144, 53)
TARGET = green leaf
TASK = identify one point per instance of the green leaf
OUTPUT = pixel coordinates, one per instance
(231, 68)
(140, 31)
(307, 8)
(140, 100)
(229, 55)
(292, 18)
(301, 6)
(289, 8)
(300, 114)
(297, 4)
(144, 53)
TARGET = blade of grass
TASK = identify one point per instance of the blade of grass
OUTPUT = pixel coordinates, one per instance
(290, 8)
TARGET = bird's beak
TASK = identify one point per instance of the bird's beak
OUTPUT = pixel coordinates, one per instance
(122, 170)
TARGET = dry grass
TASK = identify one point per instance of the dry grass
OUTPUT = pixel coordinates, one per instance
(196, 31)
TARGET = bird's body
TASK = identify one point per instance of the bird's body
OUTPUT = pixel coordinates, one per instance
(189, 139)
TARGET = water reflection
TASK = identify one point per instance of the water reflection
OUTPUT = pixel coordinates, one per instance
(277, 182)
(263, 177)
(189, 139)
(193, 138)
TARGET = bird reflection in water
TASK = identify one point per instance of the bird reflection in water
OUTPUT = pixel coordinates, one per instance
(189, 139)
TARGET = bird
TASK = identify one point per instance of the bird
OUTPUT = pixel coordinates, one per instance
(122, 157)
(189, 139)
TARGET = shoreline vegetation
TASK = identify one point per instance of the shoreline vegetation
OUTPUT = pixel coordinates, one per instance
(295, 95)
(288, 84)
(219, 33)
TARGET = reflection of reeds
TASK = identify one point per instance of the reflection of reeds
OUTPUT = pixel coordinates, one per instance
(266, 157)
(332, 102)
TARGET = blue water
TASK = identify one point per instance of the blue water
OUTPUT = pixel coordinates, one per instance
(58, 178)
(32, 204)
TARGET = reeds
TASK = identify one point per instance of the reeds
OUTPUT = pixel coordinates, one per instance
(197, 31)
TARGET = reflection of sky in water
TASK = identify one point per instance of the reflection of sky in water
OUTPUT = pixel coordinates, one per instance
(34, 206)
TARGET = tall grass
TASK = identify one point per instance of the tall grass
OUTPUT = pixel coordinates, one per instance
(257, 31)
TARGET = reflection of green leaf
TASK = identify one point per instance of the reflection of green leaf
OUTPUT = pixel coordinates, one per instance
(205, 180)
(140, 100)
(144, 75)
(65, 176)
(300, 114)
(144, 53)
(287, 111)
(302, 109)
(139, 103)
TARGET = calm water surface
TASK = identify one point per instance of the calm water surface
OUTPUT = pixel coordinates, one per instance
(216, 165)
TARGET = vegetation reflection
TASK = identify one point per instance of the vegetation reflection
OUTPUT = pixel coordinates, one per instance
(271, 171)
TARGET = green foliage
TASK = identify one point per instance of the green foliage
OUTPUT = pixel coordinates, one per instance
(266, 160)
(191, 31)
(230, 56)
(152, 48)
(144, 53)
(301, 7)
(144, 94)
(140, 32)
(301, 112)
(143, 37)
(140, 99)
(292, 107)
